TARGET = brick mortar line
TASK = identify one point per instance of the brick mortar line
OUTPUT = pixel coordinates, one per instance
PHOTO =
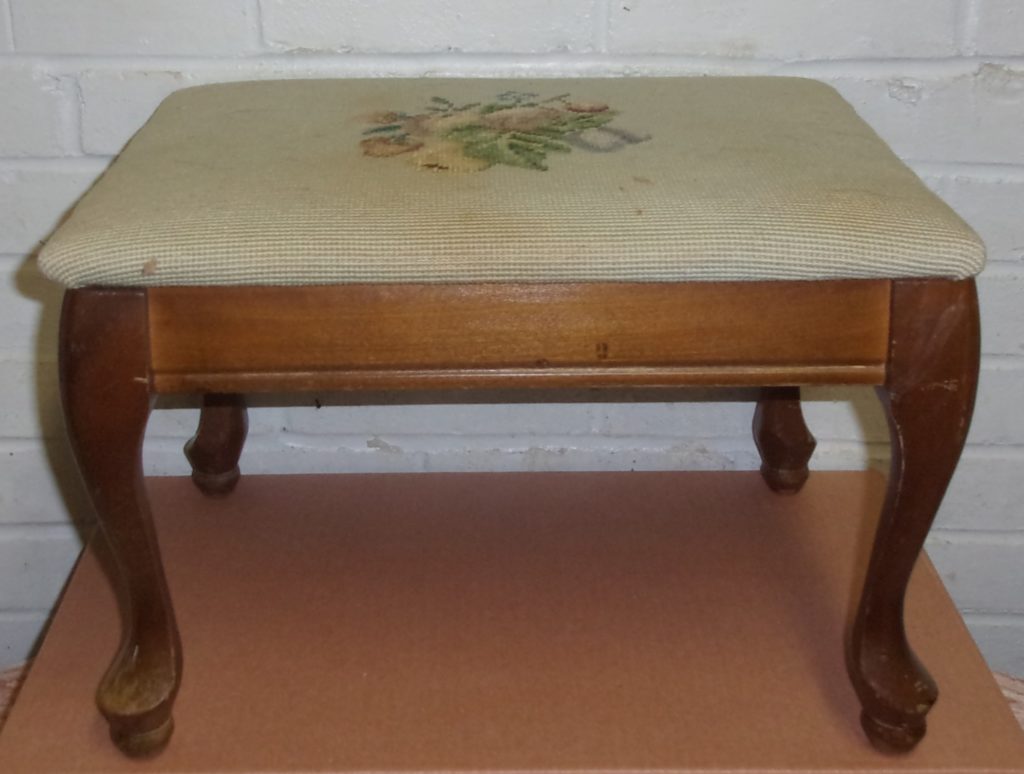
(272, 443)
(972, 169)
(9, 13)
(329, 443)
(994, 618)
(552, 441)
(33, 163)
(966, 27)
(255, 13)
(21, 444)
(83, 526)
(602, 25)
(28, 357)
(258, 442)
(527, 61)
(996, 268)
(1006, 268)
(600, 444)
(78, 108)
(995, 611)
(70, 113)
(1012, 538)
(978, 451)
(46, 531)
(1001, 362)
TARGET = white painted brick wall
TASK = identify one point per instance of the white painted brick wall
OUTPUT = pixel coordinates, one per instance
(998, 419)
(29, 305)
(986, 491)
(798, 29)
(34, 196)
(37, 127)
(1001, 291)
(39, 484)
(992, 205)
(999, 27)
(6, 38)
(177, 27)
(21, 634)
(116, 103)
(1000, 635)
(981, 575)
(34, 562)
(399, 26)
(971, 112)
(941, 80)
(30, 394)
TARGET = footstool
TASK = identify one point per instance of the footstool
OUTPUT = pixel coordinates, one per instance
(398, 235)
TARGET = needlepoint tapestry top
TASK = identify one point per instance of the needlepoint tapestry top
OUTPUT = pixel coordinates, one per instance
(516, 128)
(471, 180)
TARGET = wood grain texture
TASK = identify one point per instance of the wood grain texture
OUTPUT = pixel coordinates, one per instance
(553, 335)
(929, 398)
(104, 378)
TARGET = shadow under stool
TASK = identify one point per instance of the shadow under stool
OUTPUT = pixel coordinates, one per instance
(529, 236)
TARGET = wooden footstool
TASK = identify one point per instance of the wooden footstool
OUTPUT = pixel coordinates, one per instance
(379, 235)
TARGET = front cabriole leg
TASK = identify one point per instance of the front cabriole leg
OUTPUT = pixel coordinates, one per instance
(104, 369)
(932, 376)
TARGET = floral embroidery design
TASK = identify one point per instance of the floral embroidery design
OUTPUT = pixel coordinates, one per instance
(517, 129)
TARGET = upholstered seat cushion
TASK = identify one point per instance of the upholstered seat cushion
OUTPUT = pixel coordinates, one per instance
(660, 179)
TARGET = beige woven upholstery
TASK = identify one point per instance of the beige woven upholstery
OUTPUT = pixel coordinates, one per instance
(334, 181)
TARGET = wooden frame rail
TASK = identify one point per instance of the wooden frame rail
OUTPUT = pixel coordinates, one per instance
(252, 339)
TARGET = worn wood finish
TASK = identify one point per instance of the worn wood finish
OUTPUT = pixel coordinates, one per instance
(782, 438)
(917, 339)
(929, 397)
(517, 335)
(214, 450)
(104, 374)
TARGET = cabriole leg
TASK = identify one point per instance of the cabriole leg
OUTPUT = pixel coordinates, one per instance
(782, 438)
(929, 397)
(214, 450)
(104, 356)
